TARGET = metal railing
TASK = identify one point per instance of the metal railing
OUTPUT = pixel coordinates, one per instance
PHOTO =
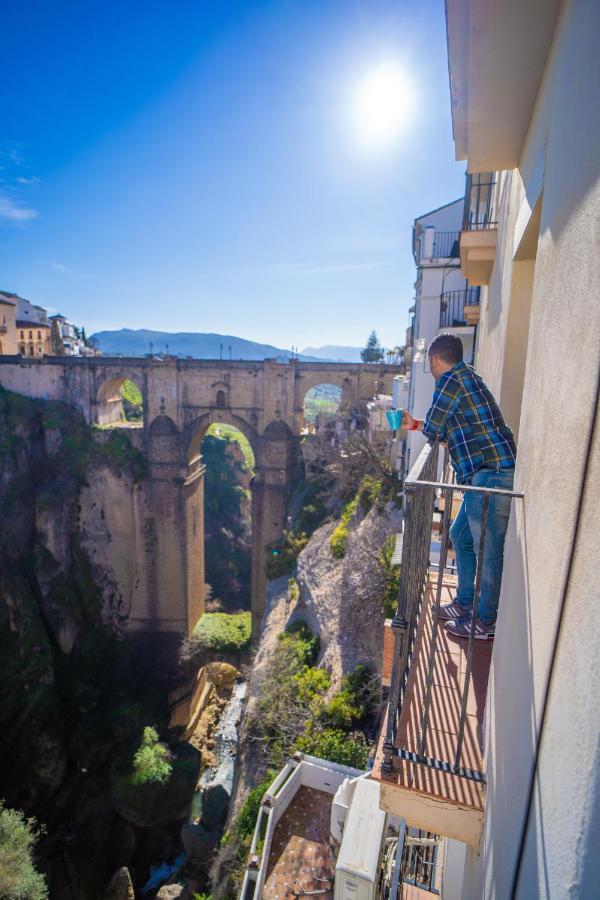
(446, 245)
(414, 569)
(452, 306)
(411, 860)
(421, 489)
(480, 209)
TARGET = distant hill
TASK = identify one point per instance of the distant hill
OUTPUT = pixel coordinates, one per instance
(334, 353)
(139, 342)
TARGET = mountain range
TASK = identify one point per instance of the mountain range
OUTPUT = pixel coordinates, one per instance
(200, 345)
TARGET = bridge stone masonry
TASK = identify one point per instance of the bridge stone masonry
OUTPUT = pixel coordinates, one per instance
(160, 564)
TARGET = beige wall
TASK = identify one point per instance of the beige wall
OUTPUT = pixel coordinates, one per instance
(8, 338)
(552, 542)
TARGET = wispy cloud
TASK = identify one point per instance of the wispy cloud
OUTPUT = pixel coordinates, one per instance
(33, 181)
(56, 266)
(13, 214)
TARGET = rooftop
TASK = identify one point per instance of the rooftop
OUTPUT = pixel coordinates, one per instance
(300, 848)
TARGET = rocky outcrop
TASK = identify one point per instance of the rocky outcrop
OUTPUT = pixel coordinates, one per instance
(120, 886)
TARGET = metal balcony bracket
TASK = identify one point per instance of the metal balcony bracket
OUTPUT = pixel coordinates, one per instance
(440, 765)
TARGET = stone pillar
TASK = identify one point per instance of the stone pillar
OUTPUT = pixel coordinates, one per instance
(172, 536)
(276, 462)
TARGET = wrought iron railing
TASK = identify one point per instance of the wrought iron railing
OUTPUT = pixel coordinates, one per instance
(421, 487)
(480, 206)
(452, 306)
(415, 863)
(414, 569)
(446, 244)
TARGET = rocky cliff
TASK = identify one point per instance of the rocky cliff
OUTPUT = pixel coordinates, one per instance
(77, 693)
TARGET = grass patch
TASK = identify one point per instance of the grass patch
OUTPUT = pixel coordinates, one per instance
(226, 632)
(339, 537)
(231, 433)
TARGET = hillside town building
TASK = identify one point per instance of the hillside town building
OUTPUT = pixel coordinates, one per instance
(26, 330)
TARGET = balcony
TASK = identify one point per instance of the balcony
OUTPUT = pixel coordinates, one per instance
(480, 228)
(446, 244)
(457, 308)
(3, 328)
(429, 755)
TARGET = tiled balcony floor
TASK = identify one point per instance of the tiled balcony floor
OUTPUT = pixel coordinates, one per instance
(300, 848)
(448, 681)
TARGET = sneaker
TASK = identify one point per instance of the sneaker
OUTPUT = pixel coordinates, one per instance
(453, 611)
(462, 628)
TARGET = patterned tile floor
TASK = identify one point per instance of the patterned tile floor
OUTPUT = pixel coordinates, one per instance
(300, 848)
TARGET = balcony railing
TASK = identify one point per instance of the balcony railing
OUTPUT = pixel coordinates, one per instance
(3, 328)
(421, 490)
(480, 207)
(446, 245)
(452, 307)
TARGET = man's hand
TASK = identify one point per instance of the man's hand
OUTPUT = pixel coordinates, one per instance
(409, 422)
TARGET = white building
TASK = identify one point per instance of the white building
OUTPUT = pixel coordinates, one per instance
(526, 118)
(441, 295)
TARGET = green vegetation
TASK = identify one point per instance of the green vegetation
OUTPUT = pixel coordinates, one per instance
(227, 523)
(368, 492)
(335, 745)
(324, 399)
(231, 434)
(19, 879)
(282, 559)
(373, 351)
(339, 536)
(152, 760)
(133, 407)
(391, 574)
(224, 632)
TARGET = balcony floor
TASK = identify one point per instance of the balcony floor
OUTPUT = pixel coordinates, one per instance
(300, 848)
(412, 787)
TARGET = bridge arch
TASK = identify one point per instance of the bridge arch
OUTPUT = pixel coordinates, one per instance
(109, 400)
(196, 430)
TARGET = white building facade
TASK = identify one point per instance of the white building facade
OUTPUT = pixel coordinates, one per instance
(441, 295)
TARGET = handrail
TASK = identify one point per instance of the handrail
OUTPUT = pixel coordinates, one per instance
(413, 575)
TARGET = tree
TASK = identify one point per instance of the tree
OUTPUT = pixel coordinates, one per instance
(18, 876)
(58, 348)
(373, 351)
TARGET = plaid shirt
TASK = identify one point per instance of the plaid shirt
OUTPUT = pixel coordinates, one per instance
(464, 413)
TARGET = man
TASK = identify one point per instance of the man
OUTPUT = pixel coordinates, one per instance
(482, 450)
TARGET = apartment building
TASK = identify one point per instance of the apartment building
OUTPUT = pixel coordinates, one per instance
(498, 751)
(444, 301)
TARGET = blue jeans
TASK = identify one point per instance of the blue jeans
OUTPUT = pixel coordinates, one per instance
(466, 533)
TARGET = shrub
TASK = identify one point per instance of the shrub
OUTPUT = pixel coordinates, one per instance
(152, 760)
(18, 876)
(339, 537)
(311, 684)
(340, 712)
(333, 744)
(246, 822)
(368, 492)
(282, 558)
(224, 632)
(306, 645)
(391, 576)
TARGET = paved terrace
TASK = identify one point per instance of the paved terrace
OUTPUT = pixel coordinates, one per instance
(300, 849)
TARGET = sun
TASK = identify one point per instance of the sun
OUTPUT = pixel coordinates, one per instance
(382, 105)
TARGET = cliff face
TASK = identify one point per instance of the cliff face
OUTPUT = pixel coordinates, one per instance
(75, 692)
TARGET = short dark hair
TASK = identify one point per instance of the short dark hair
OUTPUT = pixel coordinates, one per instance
(448, 347)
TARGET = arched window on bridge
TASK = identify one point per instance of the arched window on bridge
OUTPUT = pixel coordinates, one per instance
(322, 405)
(221, 400)
(120, 403)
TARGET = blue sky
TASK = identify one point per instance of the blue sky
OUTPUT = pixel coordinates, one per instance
(197, 166)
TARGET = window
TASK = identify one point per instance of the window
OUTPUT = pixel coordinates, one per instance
(22, 349)
(22, 335)
(31, 335)
(39, 335)
(31, 350)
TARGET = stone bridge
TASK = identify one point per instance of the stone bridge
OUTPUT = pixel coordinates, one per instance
(181, 399)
